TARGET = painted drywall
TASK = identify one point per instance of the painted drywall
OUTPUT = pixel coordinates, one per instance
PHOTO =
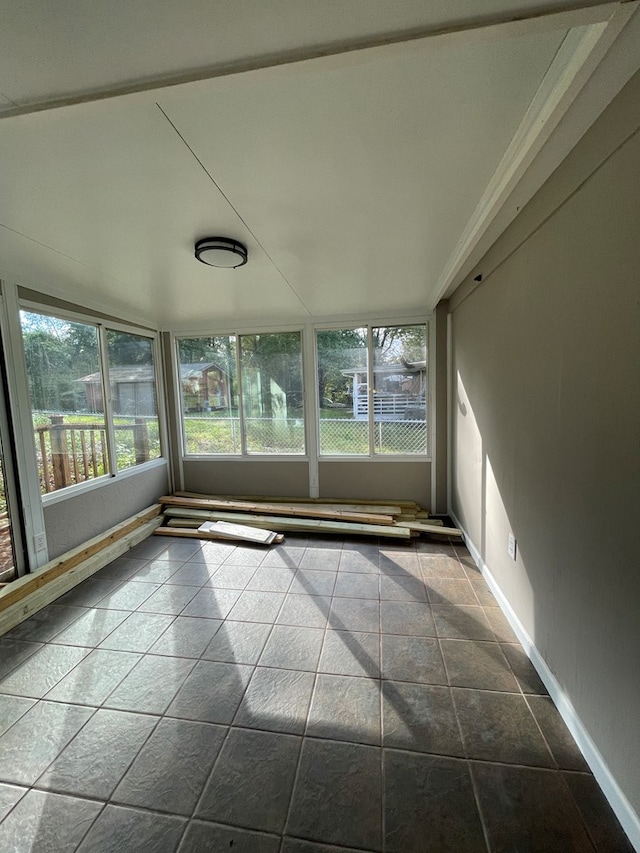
(439, 410)
(71, 522)
(546, 418)
(279, 478)
(379, 480)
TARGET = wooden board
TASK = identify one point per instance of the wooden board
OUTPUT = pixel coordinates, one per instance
(275, 509)
(195, 523)
(196, 533)
(366, 504)
(31, 593)
(423, 527)
(306, 525)
(244, 532)
(58, 566)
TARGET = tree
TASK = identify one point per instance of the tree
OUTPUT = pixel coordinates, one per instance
(338, 350)
(392, 344)
(126, 349)
(57, 354)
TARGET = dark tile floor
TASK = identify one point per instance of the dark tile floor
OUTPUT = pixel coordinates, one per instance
(319, 696)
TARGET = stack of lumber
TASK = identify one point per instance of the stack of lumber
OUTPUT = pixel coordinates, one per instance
(232, 517)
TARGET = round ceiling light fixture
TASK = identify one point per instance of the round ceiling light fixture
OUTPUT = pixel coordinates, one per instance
(221, 252)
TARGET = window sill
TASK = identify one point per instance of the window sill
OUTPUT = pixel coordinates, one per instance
(99, 482)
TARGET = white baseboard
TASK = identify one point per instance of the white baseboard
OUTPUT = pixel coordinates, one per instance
(625, 813)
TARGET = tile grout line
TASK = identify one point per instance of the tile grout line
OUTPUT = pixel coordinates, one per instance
(469, 763)
(474, 788)
(383, 787)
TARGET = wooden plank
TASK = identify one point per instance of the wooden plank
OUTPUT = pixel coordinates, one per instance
(382, 509)
(406, 519)
(55, 568)
(307, 525)
(36, 593)
(245, 532)
(364, 502)
(196, 533)
(423, 527)
(375, 509)
(275, 509)
(195, 523)
(368, 509)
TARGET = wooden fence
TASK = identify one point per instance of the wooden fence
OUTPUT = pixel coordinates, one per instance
(74, 452)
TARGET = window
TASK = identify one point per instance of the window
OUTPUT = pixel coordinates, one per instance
(133, 398)
(372, 390)
(81, 433)
(242, 394)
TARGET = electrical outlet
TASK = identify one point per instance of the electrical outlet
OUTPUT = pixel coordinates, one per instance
(512, 546)
(40, 541)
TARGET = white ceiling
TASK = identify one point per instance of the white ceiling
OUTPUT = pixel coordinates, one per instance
(361, 180)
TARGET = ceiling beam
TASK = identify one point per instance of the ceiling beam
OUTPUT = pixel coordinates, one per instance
(543, 17)
(574, 64)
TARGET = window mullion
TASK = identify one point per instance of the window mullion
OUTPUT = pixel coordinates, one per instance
(311, 410)
(243, 436)
(370, 397)
(161, 407)
(106, 397)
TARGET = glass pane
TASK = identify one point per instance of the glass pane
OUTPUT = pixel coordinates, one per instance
(133, 398)
(7, 558)
(400, 389)
(343, 391)
(65, 389)
(209, 391)
(7, 494)
(272, 399)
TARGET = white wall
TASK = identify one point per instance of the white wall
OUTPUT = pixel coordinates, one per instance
(546, 426)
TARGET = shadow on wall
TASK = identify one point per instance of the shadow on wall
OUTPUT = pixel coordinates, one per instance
(559, 586)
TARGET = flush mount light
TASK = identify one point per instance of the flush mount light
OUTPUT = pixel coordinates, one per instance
(221, 252)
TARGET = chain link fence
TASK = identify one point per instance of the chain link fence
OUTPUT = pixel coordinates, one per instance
(217, 435)
(338, 436)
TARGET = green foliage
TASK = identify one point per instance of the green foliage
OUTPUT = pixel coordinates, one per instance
(394, 343)
(339, 349)
(126, 349)
(341, 435)
(222, 435)
(54, 365)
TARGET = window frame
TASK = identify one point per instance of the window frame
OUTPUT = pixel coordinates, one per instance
(243, 455)
(307, 331)
(369, 324)
(103, 326)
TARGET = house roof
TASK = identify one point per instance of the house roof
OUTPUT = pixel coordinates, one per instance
(366, 153)
(398, 369)
(187, 371)
(132, 373)
(145, 373)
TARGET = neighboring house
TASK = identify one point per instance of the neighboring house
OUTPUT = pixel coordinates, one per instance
(205, 387)
(132, 390)
(399, 391)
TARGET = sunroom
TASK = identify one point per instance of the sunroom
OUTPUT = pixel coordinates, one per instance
(432, 301)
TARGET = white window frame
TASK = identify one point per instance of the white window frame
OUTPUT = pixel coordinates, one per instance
(369, 324)
(102, 327)
(243, 455)
(307, 331)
